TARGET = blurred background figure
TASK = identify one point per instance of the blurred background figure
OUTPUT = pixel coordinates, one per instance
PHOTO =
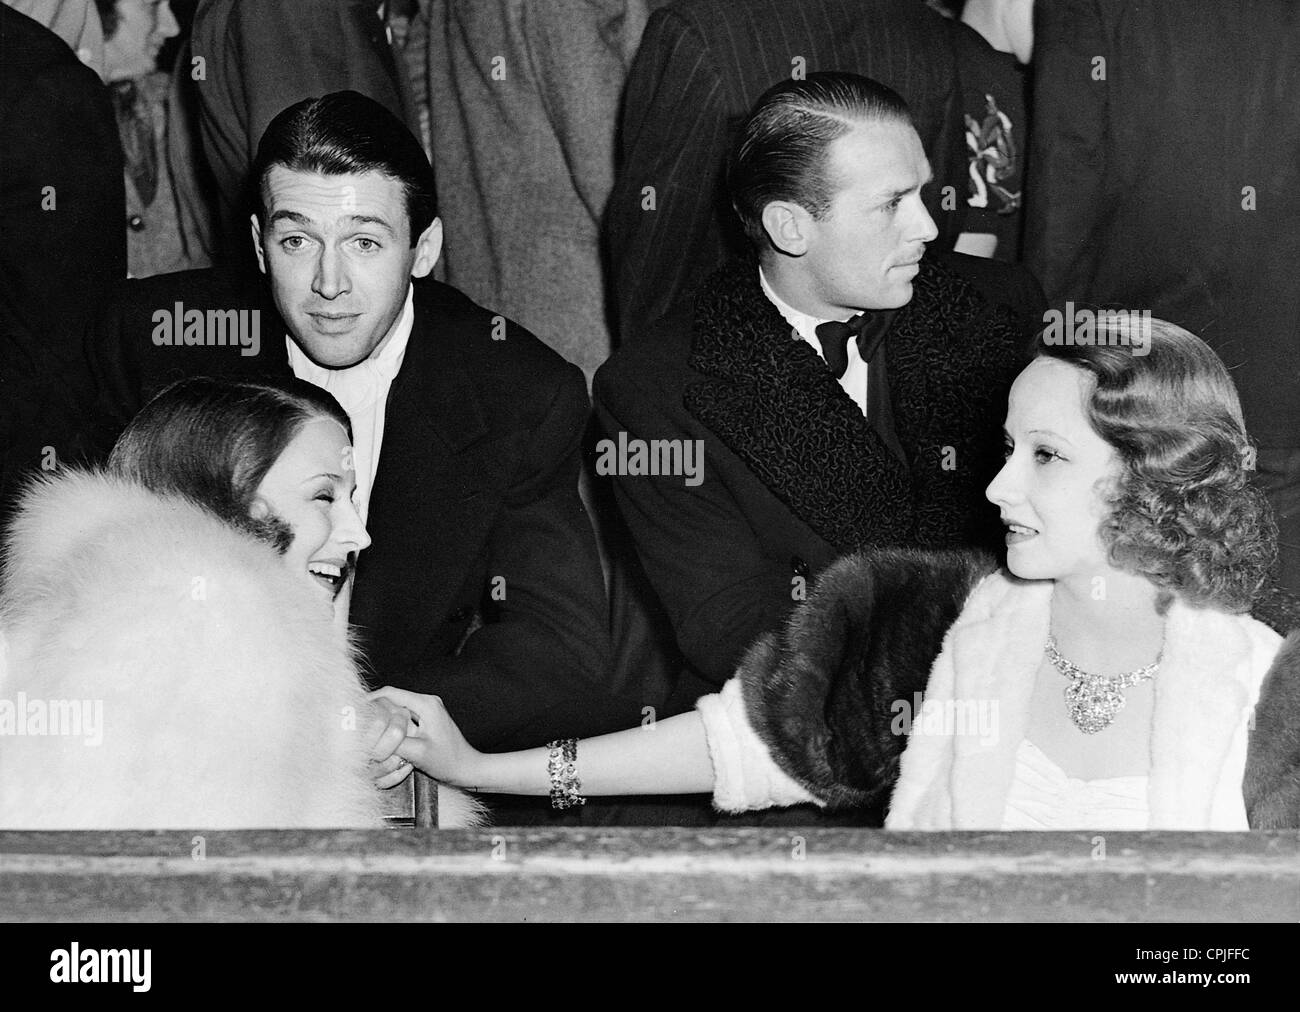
(76, 22)
(60, 189)
(523, 100)
(168, 216)
(61, 242)
(993, 40)
(262, 56)
(1162, 181)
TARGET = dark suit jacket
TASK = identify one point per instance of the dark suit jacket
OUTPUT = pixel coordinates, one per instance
(1138, 179)
(793, 475)
(60, 249)
(477, 479)
(701, 66)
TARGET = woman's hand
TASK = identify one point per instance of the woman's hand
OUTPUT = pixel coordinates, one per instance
(392, 769)
(420, 732)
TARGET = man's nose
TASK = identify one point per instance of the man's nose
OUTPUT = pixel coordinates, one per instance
(331, 278)
(923, 227)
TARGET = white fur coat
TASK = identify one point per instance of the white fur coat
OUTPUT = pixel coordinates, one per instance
(192, 679)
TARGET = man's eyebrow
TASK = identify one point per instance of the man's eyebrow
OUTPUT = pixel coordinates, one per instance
(305, 222)
(895, 194)
(371, 219)
(293, 216)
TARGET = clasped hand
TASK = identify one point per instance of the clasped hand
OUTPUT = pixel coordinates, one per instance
(416, 731)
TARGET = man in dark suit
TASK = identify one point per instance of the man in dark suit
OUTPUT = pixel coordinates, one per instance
(482, 584)
(1165, 159)
(808, 441)
(701, 66)
(62, 205)
(62, 214)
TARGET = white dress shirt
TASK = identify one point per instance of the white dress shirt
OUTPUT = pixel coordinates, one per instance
(362, 390)
(854, 380)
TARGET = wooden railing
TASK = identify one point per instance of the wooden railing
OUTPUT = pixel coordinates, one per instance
(647, 874)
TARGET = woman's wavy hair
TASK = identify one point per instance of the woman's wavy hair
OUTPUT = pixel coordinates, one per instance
(212, 441)
(1184, 513)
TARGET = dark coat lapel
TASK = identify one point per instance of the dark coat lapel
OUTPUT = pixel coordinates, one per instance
(428, 510)
(770, 398)
(952, 357)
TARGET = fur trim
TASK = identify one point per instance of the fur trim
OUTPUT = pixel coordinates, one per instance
(228, 697)
(1272, 784)
(1277, 608)
(459, 809)
(821, 692)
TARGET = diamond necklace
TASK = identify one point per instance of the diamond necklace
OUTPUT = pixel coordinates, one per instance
(1094, 700)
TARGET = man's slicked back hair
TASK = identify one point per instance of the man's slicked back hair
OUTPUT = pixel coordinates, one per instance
(346, 132)
(783, 149)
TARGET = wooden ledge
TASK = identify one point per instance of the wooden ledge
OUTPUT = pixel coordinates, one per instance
(647, 874)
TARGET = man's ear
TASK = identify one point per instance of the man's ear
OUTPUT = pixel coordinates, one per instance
(787, 226)
(257, 243)
(427, 249)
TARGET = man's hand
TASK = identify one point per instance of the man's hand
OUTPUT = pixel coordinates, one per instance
(419, 732)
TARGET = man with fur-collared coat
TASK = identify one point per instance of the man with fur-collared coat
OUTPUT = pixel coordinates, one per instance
(801, 465)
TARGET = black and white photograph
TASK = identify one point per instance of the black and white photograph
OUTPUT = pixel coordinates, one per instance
(786, 462)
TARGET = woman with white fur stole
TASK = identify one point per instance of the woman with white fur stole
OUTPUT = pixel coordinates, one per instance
(174, 628)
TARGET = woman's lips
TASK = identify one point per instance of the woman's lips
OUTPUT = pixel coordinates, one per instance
(1018, 533)
(329, 575)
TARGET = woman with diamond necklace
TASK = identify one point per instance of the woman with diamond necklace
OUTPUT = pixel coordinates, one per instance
(1110, 677)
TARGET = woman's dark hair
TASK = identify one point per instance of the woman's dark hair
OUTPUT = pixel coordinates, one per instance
(1185, 513)
(343, 133)
(782, 152)
(212, 442)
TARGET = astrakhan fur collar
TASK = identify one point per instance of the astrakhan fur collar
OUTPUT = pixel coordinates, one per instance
(951, 358)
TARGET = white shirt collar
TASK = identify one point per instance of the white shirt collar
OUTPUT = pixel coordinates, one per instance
(854, 380)
(804, 325)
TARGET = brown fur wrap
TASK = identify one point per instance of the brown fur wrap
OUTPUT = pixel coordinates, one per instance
(819, 690)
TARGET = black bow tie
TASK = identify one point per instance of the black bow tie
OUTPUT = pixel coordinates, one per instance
(834, 337)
